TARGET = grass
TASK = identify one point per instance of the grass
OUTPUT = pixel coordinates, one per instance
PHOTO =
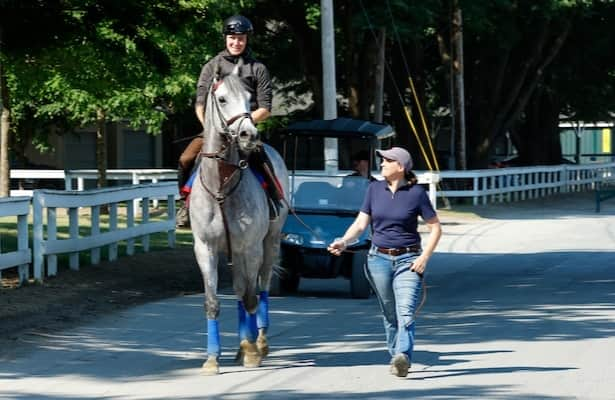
(157, 241)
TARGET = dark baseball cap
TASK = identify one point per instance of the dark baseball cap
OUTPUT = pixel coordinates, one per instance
(397, 154)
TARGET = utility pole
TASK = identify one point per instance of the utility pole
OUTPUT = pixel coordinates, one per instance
(329, 91)
(379, 78)
(452, 163)
(457, 27)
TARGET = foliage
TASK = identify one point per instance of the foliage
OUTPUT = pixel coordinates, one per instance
(135, 60)
(138, 61)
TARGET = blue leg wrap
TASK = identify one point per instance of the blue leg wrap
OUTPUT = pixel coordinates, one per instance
(243, 324)
(262, 316)
(253, 331)
(213, 338)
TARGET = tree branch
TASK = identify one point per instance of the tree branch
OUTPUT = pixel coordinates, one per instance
(523, 99)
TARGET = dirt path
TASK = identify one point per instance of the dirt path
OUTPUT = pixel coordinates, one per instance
(74, 297)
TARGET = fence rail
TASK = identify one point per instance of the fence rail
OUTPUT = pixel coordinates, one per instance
(76, 178)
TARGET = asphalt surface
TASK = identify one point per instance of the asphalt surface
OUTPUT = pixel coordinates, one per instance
(521, 305)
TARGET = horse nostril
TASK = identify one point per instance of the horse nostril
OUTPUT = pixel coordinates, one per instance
(244, 135)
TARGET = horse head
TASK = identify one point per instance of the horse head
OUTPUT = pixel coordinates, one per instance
(231, 104)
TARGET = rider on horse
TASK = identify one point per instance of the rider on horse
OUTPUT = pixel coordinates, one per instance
(255, 77)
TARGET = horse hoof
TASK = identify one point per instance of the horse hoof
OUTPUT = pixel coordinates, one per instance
(262, 346)
(211, 367)
(251, 357)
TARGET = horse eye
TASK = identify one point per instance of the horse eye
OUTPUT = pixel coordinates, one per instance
(222, 100)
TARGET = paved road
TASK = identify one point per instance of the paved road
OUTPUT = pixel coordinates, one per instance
(521, 305)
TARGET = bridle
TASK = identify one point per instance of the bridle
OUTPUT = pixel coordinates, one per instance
(227, 170)
(229, 136)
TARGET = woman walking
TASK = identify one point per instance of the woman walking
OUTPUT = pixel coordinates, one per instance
(396, 261)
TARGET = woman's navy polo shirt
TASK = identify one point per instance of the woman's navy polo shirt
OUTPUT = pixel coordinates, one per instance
(394, 216)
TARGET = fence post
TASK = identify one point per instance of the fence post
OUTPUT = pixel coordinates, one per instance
(68, 180)
(52, 234)
(130, 222)
(22, 244)
(112, 227)
(171, 217)
(135, 181)
(73, 229)
(95, 229)
(37, 237)
(145, 220)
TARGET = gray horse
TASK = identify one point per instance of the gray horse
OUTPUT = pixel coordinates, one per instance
(230, 215)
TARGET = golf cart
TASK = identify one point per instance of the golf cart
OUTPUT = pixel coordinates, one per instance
(326, 201)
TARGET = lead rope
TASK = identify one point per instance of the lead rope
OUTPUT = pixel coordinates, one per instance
(292, 211)
(423, 297)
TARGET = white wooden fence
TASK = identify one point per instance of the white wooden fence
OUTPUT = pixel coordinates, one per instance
(76, 179)
(513, 184)
(50, 245)
(482, 186)
(47, 245)
(18, 207)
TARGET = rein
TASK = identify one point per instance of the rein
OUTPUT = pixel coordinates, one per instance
(220, 198)
(317, 236)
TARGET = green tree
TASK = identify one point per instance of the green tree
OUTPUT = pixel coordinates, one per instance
(132, 61)
(20, 22)
(517, 63)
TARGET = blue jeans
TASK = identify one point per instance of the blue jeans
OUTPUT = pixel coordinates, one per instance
(397, 289)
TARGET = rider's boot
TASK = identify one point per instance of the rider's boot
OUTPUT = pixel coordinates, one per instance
(182, 217)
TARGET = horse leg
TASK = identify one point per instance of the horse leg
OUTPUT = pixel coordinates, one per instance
(271, 251)
(262, 323)
(248, 354)
(208, 263)
(244, 284)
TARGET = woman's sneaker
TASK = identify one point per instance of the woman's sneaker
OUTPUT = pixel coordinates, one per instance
(400, 365)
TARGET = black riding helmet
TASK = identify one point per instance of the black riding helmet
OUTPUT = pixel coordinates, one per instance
(237, 25)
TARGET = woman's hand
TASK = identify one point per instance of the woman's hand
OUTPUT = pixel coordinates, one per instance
(337, 247)
(419, 265)
(352, 233)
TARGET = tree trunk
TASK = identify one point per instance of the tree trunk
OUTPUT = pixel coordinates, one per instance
(458, 62)
(537, 138)
(101, 149)
(5, 118)
(500, 91)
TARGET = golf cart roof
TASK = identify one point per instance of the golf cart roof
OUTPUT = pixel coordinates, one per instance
(340, 128)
